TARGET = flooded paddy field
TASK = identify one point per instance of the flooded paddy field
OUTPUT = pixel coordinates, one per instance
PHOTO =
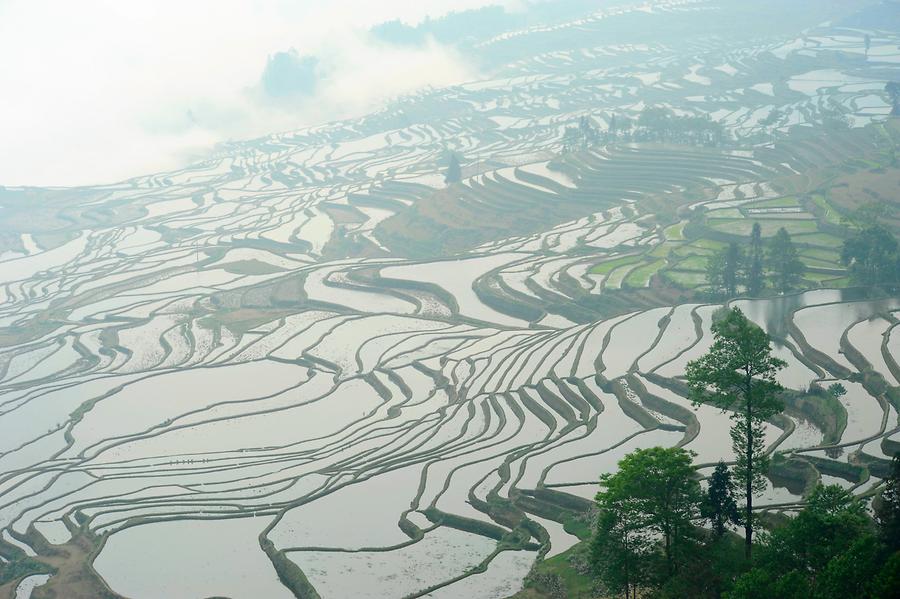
(310, 360)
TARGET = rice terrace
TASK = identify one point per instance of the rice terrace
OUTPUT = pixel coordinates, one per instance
(392, 355)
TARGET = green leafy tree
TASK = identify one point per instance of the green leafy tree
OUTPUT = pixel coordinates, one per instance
(653, 495)
(784, 263)
(870, 214)
(887, 509)
(888, 580)
(737, 374)
(872, 256)
(719, 506)
(828, 551)
(755, 274)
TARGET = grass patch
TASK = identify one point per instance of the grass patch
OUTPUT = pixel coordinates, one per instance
(686, 279)
(824, 255)
(785, 202)
(640, 276)
(664, 249)
(819, 239)
(769, 226)
(829, 213)
(675, 232)
(725, 213)
(693, 262)
(709, 244)
(617, 277)
(816, 263)
(818, 277)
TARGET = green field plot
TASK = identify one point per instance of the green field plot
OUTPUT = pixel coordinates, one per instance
(640, 276)
(825, 255)
(725, 213)
(710, 245)
(686, 279)
(694, 263)
(830, 214)
(617, 277)
(820, 277)
(666, 248)
(675, 232)
(604, 268)
(785, 202)
(823, 240)
(769, 226)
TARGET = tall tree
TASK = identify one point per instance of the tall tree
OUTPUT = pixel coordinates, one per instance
(786, 267)
(872, 256)
(755, 274)
(719, 506)
(737, 374)
(454, 172)
(723, 270)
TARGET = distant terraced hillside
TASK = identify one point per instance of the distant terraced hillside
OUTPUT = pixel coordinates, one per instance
(308, 357)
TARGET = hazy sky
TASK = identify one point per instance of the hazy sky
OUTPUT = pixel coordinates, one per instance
(96, 91)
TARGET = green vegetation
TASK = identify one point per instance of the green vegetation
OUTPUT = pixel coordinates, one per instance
(784, 263)
(719, 506)
(832, 549)
(604, 268)
(738, 374)
(653, 496)
(731, 268)
(829, 550)
(873, 257)
(20, 567)
(640, 276)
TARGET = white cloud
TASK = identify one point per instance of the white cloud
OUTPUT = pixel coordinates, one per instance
(100, 90)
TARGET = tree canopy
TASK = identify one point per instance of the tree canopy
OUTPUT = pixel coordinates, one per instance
(653, 495)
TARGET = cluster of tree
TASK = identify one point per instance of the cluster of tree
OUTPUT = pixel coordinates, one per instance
(582, 136)
(734, 268)
(649, 542)
(872, 255)
(661, 124)
(653, 124)
(832, 549)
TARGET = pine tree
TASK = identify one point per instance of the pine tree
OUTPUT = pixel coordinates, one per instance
(737, 374)
(755, 274)
(786, 267)
(719, 505)
(723, 270)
